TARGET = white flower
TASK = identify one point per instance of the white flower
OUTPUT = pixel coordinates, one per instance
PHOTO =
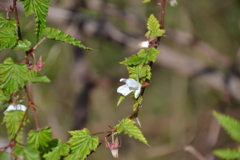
(15, 107)
(130, 86)
(143, 44)
(173, 2)
(114, 152)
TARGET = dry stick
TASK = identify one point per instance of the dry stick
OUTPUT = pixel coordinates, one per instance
(194, 152)
(135, 112)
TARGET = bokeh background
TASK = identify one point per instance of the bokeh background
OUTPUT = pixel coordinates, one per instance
(197, 72)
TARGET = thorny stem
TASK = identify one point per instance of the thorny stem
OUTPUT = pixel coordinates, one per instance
(135, 112)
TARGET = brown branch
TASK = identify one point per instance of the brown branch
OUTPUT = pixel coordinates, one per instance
(17, 19)
(7, 10)
(194, 152)
(163, 3)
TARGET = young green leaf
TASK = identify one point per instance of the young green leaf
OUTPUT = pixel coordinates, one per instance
(29, 152)
(133, 60)
(129, 128)
(148, 54)
(231, 125)
(3, 97)
(228, 153)
(12, 119)
(137, 72)
(58, 35)
(40, 9)
(25, 45)
(153, 27)
(8, 38)
(58, 151)
(12, 75)
(40, 138)
(145, 1)
(72, 157)
(82, 143)
(8, 23)
(35, 77)
(5, 156)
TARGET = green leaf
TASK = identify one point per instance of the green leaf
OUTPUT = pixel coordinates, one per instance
(3, 98)
(40, 9)
(121, 98)
(35, 77)
(133, 60)
(153, 27)
(12, 119)
(72, 157)
(148, 54)
(12, 75)
(137, 102)
(41, 138)
(82, 143)
(231, 125)
(58, 35)
(57, 152)
(25, 45)
(139, 72)
(129, 128)
(8, 23)
(8, 39)
(227, 153)
(29, 152)
(145, 1)
(4, 156)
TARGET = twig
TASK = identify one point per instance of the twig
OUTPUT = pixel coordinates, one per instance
(194, 152)
(7, 10)
(17, 19)
(35, 47)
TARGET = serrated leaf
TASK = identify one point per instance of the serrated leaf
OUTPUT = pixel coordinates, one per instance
(133, 60)
(137, 72)
(8, 39)
(227, 153)
(35, 77)
(121, 98)
(40, 9)
(153, 27)
(12, 75)
(25, 45)
(137, 102)
(57, 152)
(8, 23)
(129, 128)
(12, 119)
(4, 155)
(41, 138)
(72, 157)
(81, 143)
(29, 152)
(3, 97)
(148, 54)
(231, 125)
(58, 35)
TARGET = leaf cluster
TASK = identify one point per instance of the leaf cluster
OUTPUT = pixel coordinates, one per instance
(232, 126)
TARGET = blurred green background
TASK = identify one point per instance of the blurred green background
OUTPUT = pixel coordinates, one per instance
(177, 105)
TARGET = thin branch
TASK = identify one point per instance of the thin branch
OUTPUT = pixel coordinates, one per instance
(7, 10)
(17, 19)
(35, 47)
(163, 3)
(194, 152)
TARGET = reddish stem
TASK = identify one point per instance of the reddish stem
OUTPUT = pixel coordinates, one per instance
(17, 19)
(7, 10)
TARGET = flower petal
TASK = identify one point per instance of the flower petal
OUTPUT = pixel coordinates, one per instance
(143, 44)
(137, 92)
(123, 80)
(124, 90)
(132, 84)
(15, 107)
(114, 152)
